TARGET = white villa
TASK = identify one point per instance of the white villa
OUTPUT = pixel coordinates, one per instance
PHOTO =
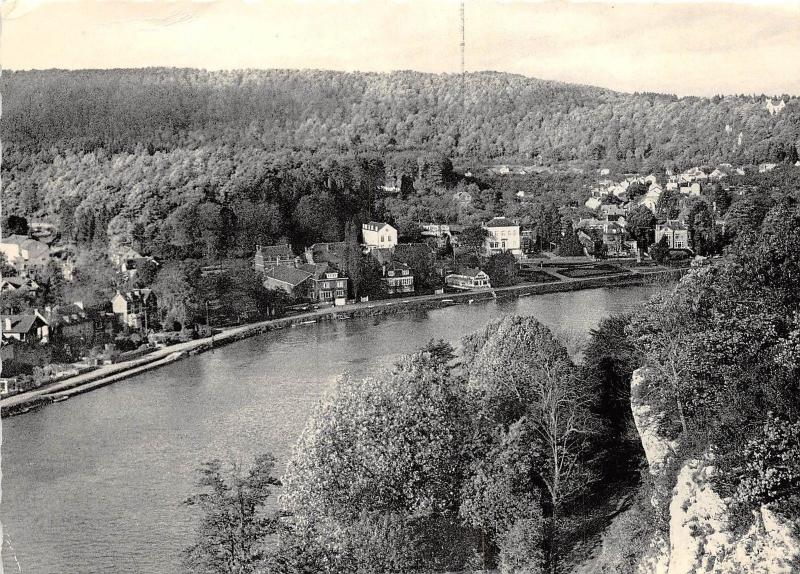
(503, 236)
(379, 234)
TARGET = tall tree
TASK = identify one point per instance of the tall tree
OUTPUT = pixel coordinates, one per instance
(234, 526)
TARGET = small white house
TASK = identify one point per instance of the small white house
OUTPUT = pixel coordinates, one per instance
(467, 279)
(379, 234)
(593, 203)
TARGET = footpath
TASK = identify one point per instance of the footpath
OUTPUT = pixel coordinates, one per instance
(108, 374)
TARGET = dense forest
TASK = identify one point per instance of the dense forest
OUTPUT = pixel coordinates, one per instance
(489, 115)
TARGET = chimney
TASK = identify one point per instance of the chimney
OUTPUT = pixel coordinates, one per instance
(7, 324)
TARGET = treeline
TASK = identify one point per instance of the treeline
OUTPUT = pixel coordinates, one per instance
(497, 115)
(220, 201)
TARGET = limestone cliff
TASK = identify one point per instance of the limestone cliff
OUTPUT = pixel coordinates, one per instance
(700, 537)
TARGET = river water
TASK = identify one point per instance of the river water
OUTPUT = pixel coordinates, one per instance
(95, 484)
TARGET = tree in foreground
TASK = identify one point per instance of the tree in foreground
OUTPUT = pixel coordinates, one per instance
(231, 536)
(533, 411)
(374, 484)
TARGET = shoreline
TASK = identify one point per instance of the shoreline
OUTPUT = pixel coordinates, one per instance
(109, 374)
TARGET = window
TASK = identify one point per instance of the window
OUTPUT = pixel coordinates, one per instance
(391, 273)
(326, 285)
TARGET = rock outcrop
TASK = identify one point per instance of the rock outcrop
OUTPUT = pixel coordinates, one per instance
(701, 537)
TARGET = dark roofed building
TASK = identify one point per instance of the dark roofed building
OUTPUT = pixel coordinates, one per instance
(329, 284)
(382, 255)
(500, 222)
(268, 256)
(398, 278)
(326, 252)
(29, 328)
(295, 282)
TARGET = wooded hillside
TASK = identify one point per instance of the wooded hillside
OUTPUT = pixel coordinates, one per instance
(499, 115)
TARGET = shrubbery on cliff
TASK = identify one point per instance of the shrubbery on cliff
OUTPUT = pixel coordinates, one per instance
(722, 347)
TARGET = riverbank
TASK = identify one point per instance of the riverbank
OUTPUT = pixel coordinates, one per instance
(110, 374)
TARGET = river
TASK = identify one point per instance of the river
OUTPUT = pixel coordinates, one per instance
(95, 484)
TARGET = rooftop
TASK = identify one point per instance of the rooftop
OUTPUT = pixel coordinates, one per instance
(20, 324)
(500, 222)
(289, 275)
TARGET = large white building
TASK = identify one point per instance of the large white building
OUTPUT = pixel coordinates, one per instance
(676, 232)
(378, 234)
(503, 235)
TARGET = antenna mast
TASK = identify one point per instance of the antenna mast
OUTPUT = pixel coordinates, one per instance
(463, 67)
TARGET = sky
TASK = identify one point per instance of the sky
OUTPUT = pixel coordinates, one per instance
(693, 48)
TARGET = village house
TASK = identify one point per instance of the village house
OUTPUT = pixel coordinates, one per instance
(268, 256)
(611, 233)
(529, 237)
(25, 254)
(295, 282)
(613, 238)
(676, 232)
(15, 284)
(467, 278)
(78, 327)
(690, 188)
(379, 234)
(70, 323)
(135, 309)
(329, 285)
(650, 199)
(692, 175)
(28, 328)
(435, 229)
(612, 210)
(765, 167)
(397, 277)
(593, 203)
(717, 175)
(503, 235)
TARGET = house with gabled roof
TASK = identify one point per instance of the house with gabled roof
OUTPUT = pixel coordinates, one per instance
(397, 277)
(268, 256)
(136, 308)
(331, 252)
(379, 234)
(27, 328)
(14, 284)
(295, 282)
(675, 231)
(71, 324)
(329, 285)
(24, 253)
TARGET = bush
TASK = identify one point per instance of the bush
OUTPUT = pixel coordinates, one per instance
(627, 539)
(521, 548)
(771, 459)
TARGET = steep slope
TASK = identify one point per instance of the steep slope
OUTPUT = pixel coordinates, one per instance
(701, 536)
